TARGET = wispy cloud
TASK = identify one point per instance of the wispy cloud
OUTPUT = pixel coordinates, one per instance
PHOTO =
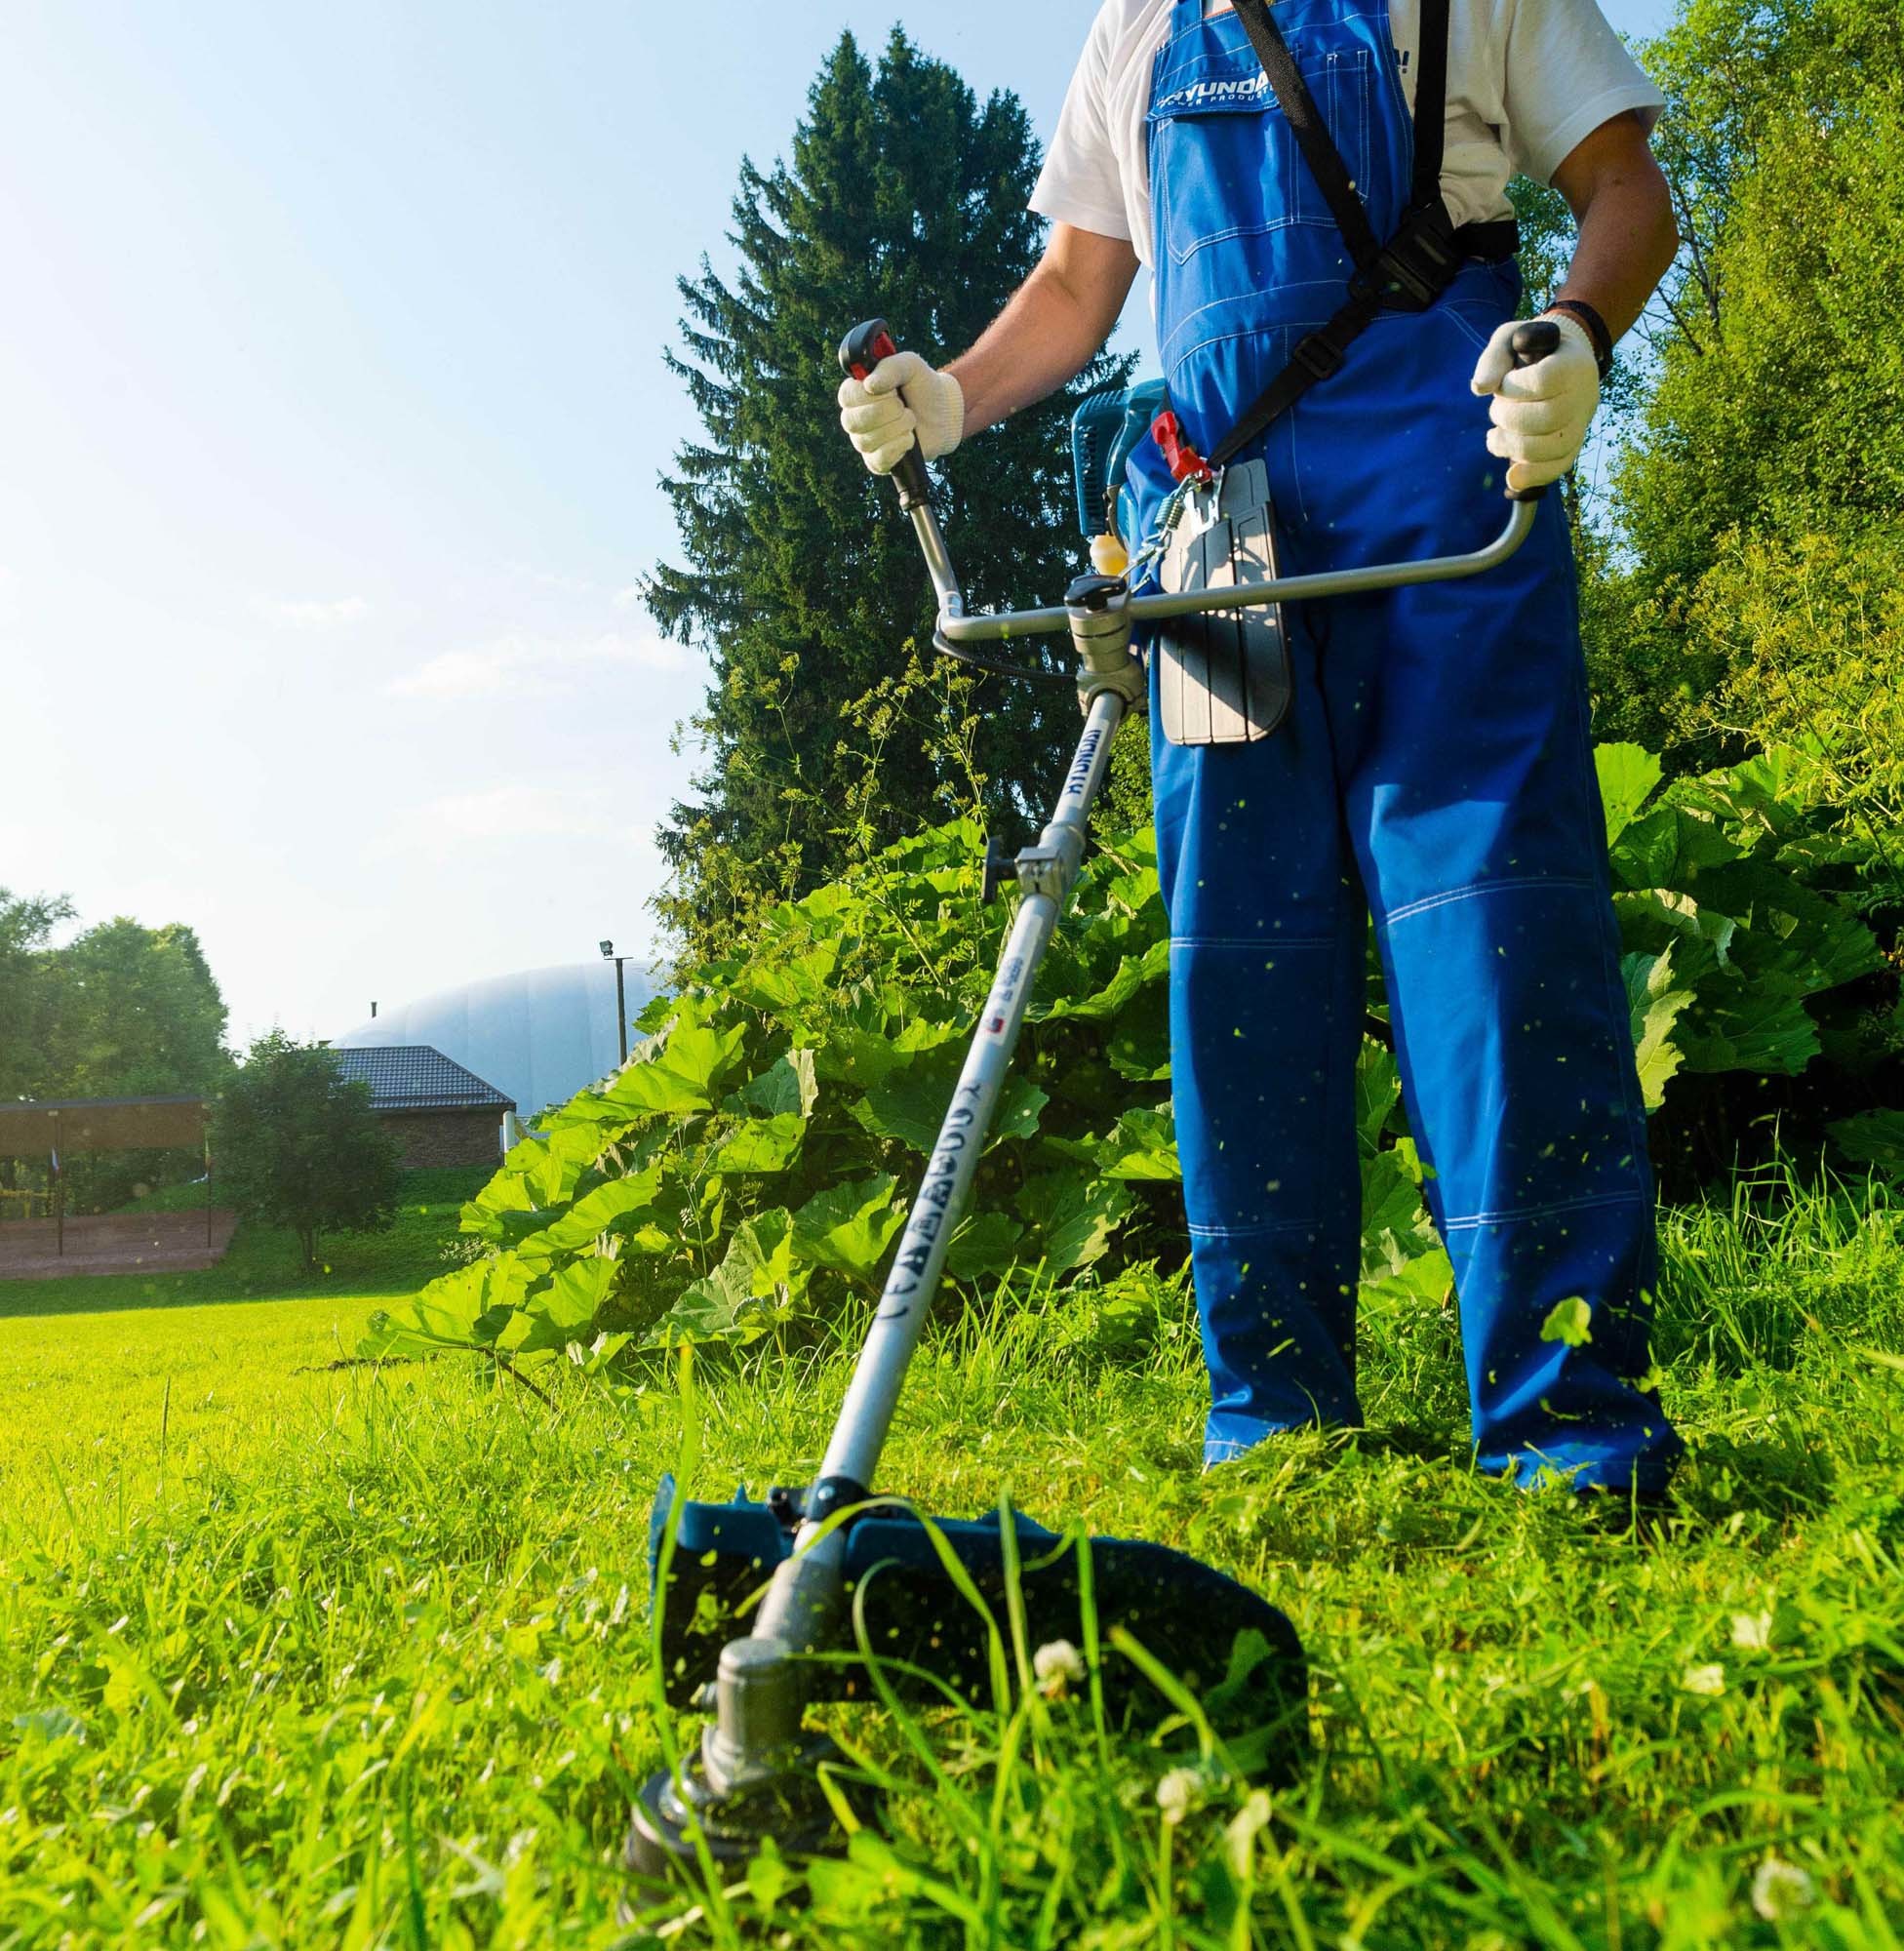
(333, 613)
(512, 813)
(517, 666)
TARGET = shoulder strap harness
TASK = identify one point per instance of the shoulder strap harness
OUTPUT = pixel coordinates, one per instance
(1409, 272)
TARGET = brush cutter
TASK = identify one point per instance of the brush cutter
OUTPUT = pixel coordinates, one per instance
(863, 1595)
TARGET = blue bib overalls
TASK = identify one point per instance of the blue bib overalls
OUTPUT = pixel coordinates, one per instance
(1435, 772)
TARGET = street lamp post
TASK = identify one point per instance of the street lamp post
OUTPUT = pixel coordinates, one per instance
(621, 997)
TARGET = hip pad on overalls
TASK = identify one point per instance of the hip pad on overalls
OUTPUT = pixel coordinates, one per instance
(1223, 678)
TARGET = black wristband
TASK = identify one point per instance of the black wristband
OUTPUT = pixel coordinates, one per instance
(1597, 332)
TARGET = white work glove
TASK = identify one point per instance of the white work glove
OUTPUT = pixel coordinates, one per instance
(899, 398)
(1541, 413)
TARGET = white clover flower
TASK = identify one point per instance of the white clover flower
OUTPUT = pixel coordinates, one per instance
(1752, 1631)
(1780, 1892)
(1178, 1793)
(1704, 1679)
(1058, 1667)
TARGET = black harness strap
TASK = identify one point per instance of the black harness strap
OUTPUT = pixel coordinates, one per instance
(1416, 266)
(1311, 132)
(1431, 86)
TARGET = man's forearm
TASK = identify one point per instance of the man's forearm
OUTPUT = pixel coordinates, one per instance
(1627, 232)
(1052, 329)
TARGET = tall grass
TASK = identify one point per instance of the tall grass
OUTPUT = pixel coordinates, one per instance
(361, 1657)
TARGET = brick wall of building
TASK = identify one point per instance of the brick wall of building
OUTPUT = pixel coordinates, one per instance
(447, 1138)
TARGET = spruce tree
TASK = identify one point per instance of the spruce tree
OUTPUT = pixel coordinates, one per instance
(905, 199)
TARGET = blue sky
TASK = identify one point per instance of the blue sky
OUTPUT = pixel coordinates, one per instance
(331, 410)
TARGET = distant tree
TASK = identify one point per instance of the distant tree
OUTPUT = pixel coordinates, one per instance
(132, 1010)
(903, 198)
(297, 1146)
(129, 1011)
(26, 921)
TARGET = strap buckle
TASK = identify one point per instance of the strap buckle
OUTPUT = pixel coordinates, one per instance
(1414, 268)
(1318, 355)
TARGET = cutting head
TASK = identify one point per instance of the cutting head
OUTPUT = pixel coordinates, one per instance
(1228, 1646)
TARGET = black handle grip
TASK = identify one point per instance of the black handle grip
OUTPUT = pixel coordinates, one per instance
(1539, 338)
(860, 350)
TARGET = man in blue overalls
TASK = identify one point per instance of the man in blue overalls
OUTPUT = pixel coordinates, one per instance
(1435, 767)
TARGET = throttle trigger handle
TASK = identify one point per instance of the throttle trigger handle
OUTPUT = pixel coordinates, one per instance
(865, 346)
(860, 350)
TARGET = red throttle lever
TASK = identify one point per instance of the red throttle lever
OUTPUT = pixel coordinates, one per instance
(863, 349)
(1185, 463)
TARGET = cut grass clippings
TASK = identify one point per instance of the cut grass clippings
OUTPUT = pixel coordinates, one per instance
(361, 1657)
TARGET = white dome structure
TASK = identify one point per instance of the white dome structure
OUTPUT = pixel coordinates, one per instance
(539, 1036)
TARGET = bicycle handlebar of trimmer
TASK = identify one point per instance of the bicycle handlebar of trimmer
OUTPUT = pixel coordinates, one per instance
(863, 349)
(866, 345)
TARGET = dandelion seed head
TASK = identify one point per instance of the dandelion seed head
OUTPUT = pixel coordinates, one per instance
(1781, 1891)
(1058, 1667)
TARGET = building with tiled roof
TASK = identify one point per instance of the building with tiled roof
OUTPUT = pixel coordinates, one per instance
(442, 1113)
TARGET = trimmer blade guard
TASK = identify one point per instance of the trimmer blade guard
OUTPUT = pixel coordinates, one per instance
(1234, 1652)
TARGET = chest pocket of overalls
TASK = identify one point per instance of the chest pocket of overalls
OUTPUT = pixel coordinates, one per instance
(1224, 162)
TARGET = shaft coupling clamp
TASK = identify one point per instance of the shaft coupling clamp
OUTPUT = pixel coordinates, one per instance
(1098, 610)
(1050, 868)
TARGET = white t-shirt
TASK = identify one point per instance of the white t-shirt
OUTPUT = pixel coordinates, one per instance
(1528, 81)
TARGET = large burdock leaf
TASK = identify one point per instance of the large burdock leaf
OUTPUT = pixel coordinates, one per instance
(911, 1104)
(598, 1213)
(1656, 1007)
(1801, 941)
(790, 986)
(1629, 775)
(743, 1288)
(1769, 1034)
(1142, 1147)
(762, 1145)
(1669, 847)
(1378, 1092)
(1074, 1216)
(1141, 1044)
(541, 1173)
(682, 1075)
(789, 1087)
(985, 1243)
(861, 1056)
(1873, 1138)
(1134, 973)
(1656, 919)
(465, 1309)
(1395, 1225)
(1769, 795)
(564, 1311)
(849, 1227)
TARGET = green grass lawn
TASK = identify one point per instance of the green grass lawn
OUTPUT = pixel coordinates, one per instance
(295, 1655)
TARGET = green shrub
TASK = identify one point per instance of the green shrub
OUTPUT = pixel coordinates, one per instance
(745, 1173)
